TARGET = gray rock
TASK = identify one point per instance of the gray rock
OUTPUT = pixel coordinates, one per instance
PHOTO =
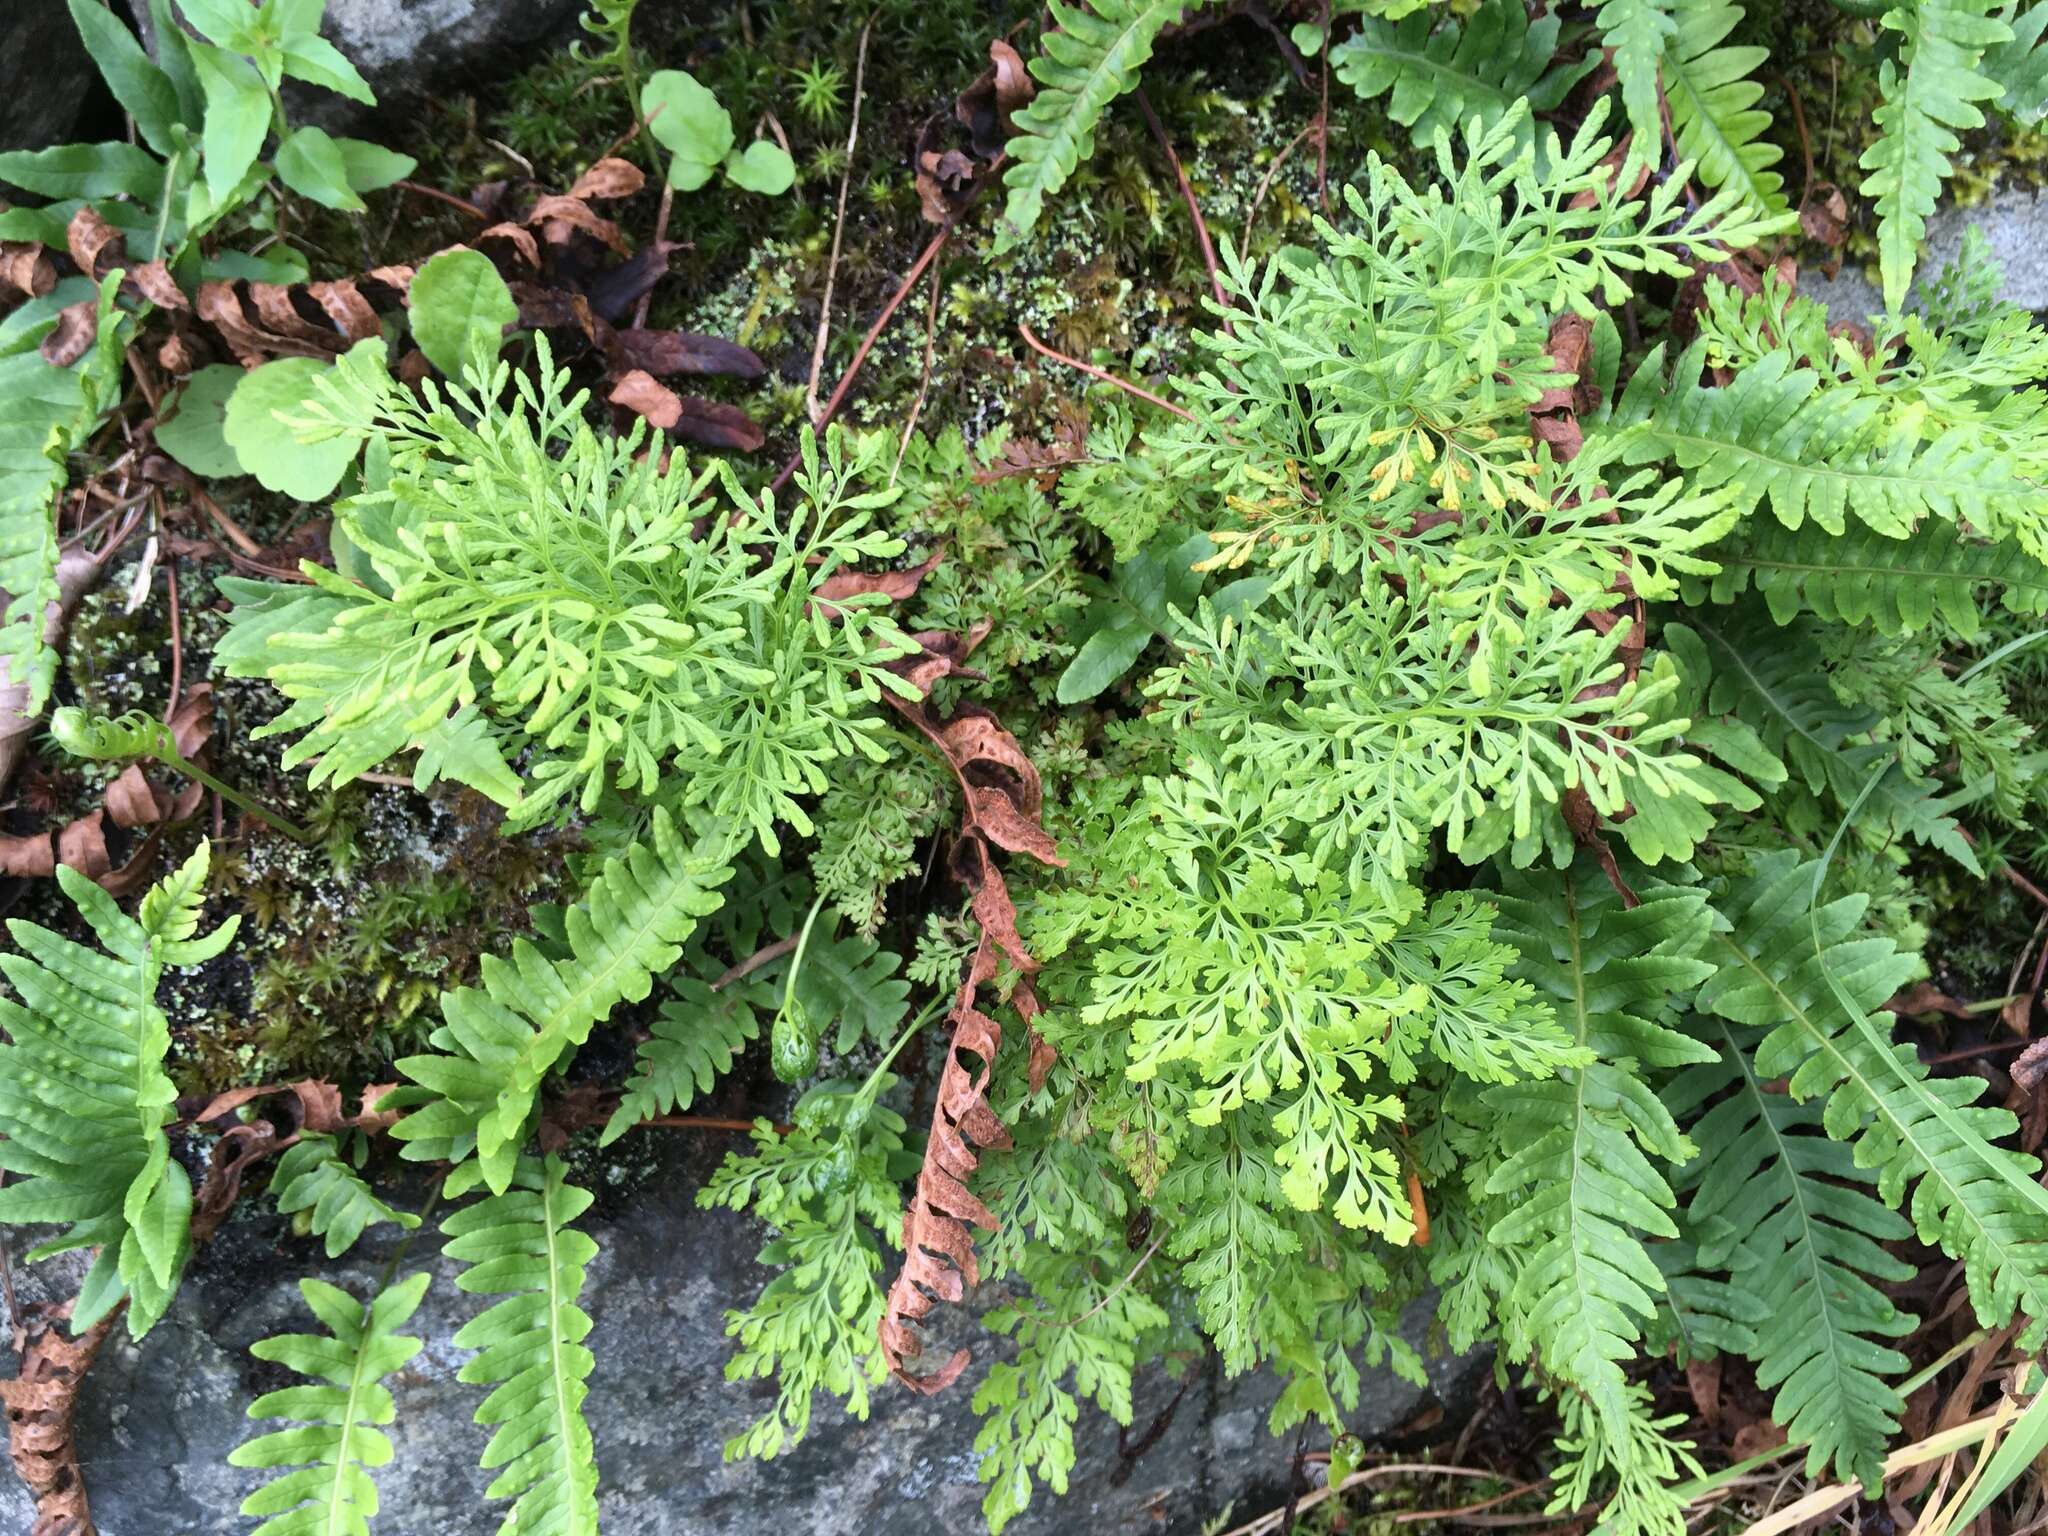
(407, 48)
(40, 105)
(2015, 224)
(156, 1422)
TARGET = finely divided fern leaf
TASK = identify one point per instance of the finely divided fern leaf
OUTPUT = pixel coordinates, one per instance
(84, 1097)
(1925, 106)
(337, 1439)
(1090, 58)
(1445, 73)
(1787, 966)
(499, 1041)
(1804, 1240)
(519, 1245)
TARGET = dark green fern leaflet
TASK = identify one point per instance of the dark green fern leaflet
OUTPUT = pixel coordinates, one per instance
(1767, 678)
(1784, 965)
(1090, 58)
(1444, 73)
(693, 1041)
(1935, 575)
(1583, 1182)
(519, 1245)
(499, 1041)
(84, 1098)
(1796, 1231)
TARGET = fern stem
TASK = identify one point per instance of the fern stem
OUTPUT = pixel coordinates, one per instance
(1103, 374)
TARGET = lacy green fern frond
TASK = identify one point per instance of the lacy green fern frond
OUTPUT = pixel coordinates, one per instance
(1444, 73)
(1786, 966)
(84, 1098)
(693, 1041)
(1935, 575)
(522, 584)
(519, 1245)
(1804, 1239)
(314, 1182)
(1926, 104)
(1091, 56)
(338, 1439)
(499, 1040)
(45, 412)
(1713, 101)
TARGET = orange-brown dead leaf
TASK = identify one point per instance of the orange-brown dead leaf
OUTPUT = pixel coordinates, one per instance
(40, 1402)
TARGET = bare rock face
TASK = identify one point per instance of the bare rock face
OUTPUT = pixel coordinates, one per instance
(2015, 227)
(407, 48)
(156, 1422)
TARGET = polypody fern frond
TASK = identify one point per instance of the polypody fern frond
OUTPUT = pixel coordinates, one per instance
(693, 1041)
(315, 1182)
(337, 1440)
(499, 1040)
(1714, 114)
(1090, 58)
(519, 1245)
(84, 1098)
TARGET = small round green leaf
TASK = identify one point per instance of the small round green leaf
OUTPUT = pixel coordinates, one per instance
(460, 308)
(686, 120)
(765, 168)
(268, 448)
(193, 428)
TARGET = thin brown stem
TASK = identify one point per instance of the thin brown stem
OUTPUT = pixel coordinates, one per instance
(1099, 373)
(1244, 244)
(668, 203)
(437, 195)
(177, 637)
(1187, 193)
(924, 381)
(768, 954)
(860, 79)
(704, 1123)
(1323, 121)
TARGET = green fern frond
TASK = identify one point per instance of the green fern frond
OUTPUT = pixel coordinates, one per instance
(1937, 573)
(1090, 58)
(1444, 72)
(1766, 679)
(2020, 67)
(693, 1042)
(1585, 1182)
(1803, 1239)
(338, 1439)
(84, 1098)
(1640, 34)
(314, 1177)
(45, 412)
(1713, 101)
(1926, 104)
(498, 1041)
(1778, 431)
(1787, 966)
(519, 1245)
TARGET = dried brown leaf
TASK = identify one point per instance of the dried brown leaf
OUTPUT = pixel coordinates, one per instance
(894, 585)
(2031, 1067)
(669, 352)
(641, 392)
(1824, 217)
(83, 845)
(32, 856)
(96, 246)
(942, 182)
(610, 177)
(133, 801)
(25, 269)
(40, 1402)
(220, 306)
(77, 325)
(987, 109)
(352, 314)
(714, 424)
(939, 1261)
(519, 238)
(555, 216)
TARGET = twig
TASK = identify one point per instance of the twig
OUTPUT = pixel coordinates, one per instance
(177, 637)
(1187, 193)
(237, 534)
(1099, 373)
(1244, 244)
(668, 203)
(1462, 1511)
(767, 955)
(860, 77)
(444, 197)
(705, 1123)
(867, 342)
(1805, 144)
(1271, 1520)
(924, 381)
(1323, 121)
